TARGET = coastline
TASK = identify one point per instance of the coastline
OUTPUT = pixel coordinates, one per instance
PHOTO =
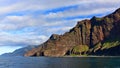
(92, 56)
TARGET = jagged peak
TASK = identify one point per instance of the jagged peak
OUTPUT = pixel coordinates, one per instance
(54, 36)
(82, 22)
(117, 11)
(94, 19)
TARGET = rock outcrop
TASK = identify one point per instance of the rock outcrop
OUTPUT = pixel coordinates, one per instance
(101, 35)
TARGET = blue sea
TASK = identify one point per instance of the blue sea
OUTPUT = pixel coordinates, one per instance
(61, 62)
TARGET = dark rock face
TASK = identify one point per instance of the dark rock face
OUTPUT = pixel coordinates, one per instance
(86, 32)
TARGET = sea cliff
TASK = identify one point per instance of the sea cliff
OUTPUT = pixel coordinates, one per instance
(97, 36)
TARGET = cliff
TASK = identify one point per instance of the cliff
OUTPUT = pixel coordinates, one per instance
(97, 36)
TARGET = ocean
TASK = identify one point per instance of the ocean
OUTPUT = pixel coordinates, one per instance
(61, 62)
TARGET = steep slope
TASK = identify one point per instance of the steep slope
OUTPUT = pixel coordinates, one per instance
(97, 36)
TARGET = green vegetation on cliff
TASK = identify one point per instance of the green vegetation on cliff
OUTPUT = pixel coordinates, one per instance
(108, 45)
(80, 50)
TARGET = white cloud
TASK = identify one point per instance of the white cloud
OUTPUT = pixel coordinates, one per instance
(60, 29)
(23, 5)
(90, 8)
(31, 5)
(19, 22)
(21, 39)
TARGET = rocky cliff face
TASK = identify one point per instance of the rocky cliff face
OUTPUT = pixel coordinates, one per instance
(100, 35)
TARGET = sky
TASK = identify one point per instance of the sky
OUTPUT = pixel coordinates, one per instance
(31, 22)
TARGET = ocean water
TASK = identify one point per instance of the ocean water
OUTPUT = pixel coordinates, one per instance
(63, 62)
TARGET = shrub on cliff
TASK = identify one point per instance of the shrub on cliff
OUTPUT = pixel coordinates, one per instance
(78, 50)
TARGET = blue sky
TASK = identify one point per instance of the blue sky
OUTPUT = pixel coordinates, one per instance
(31, 22)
